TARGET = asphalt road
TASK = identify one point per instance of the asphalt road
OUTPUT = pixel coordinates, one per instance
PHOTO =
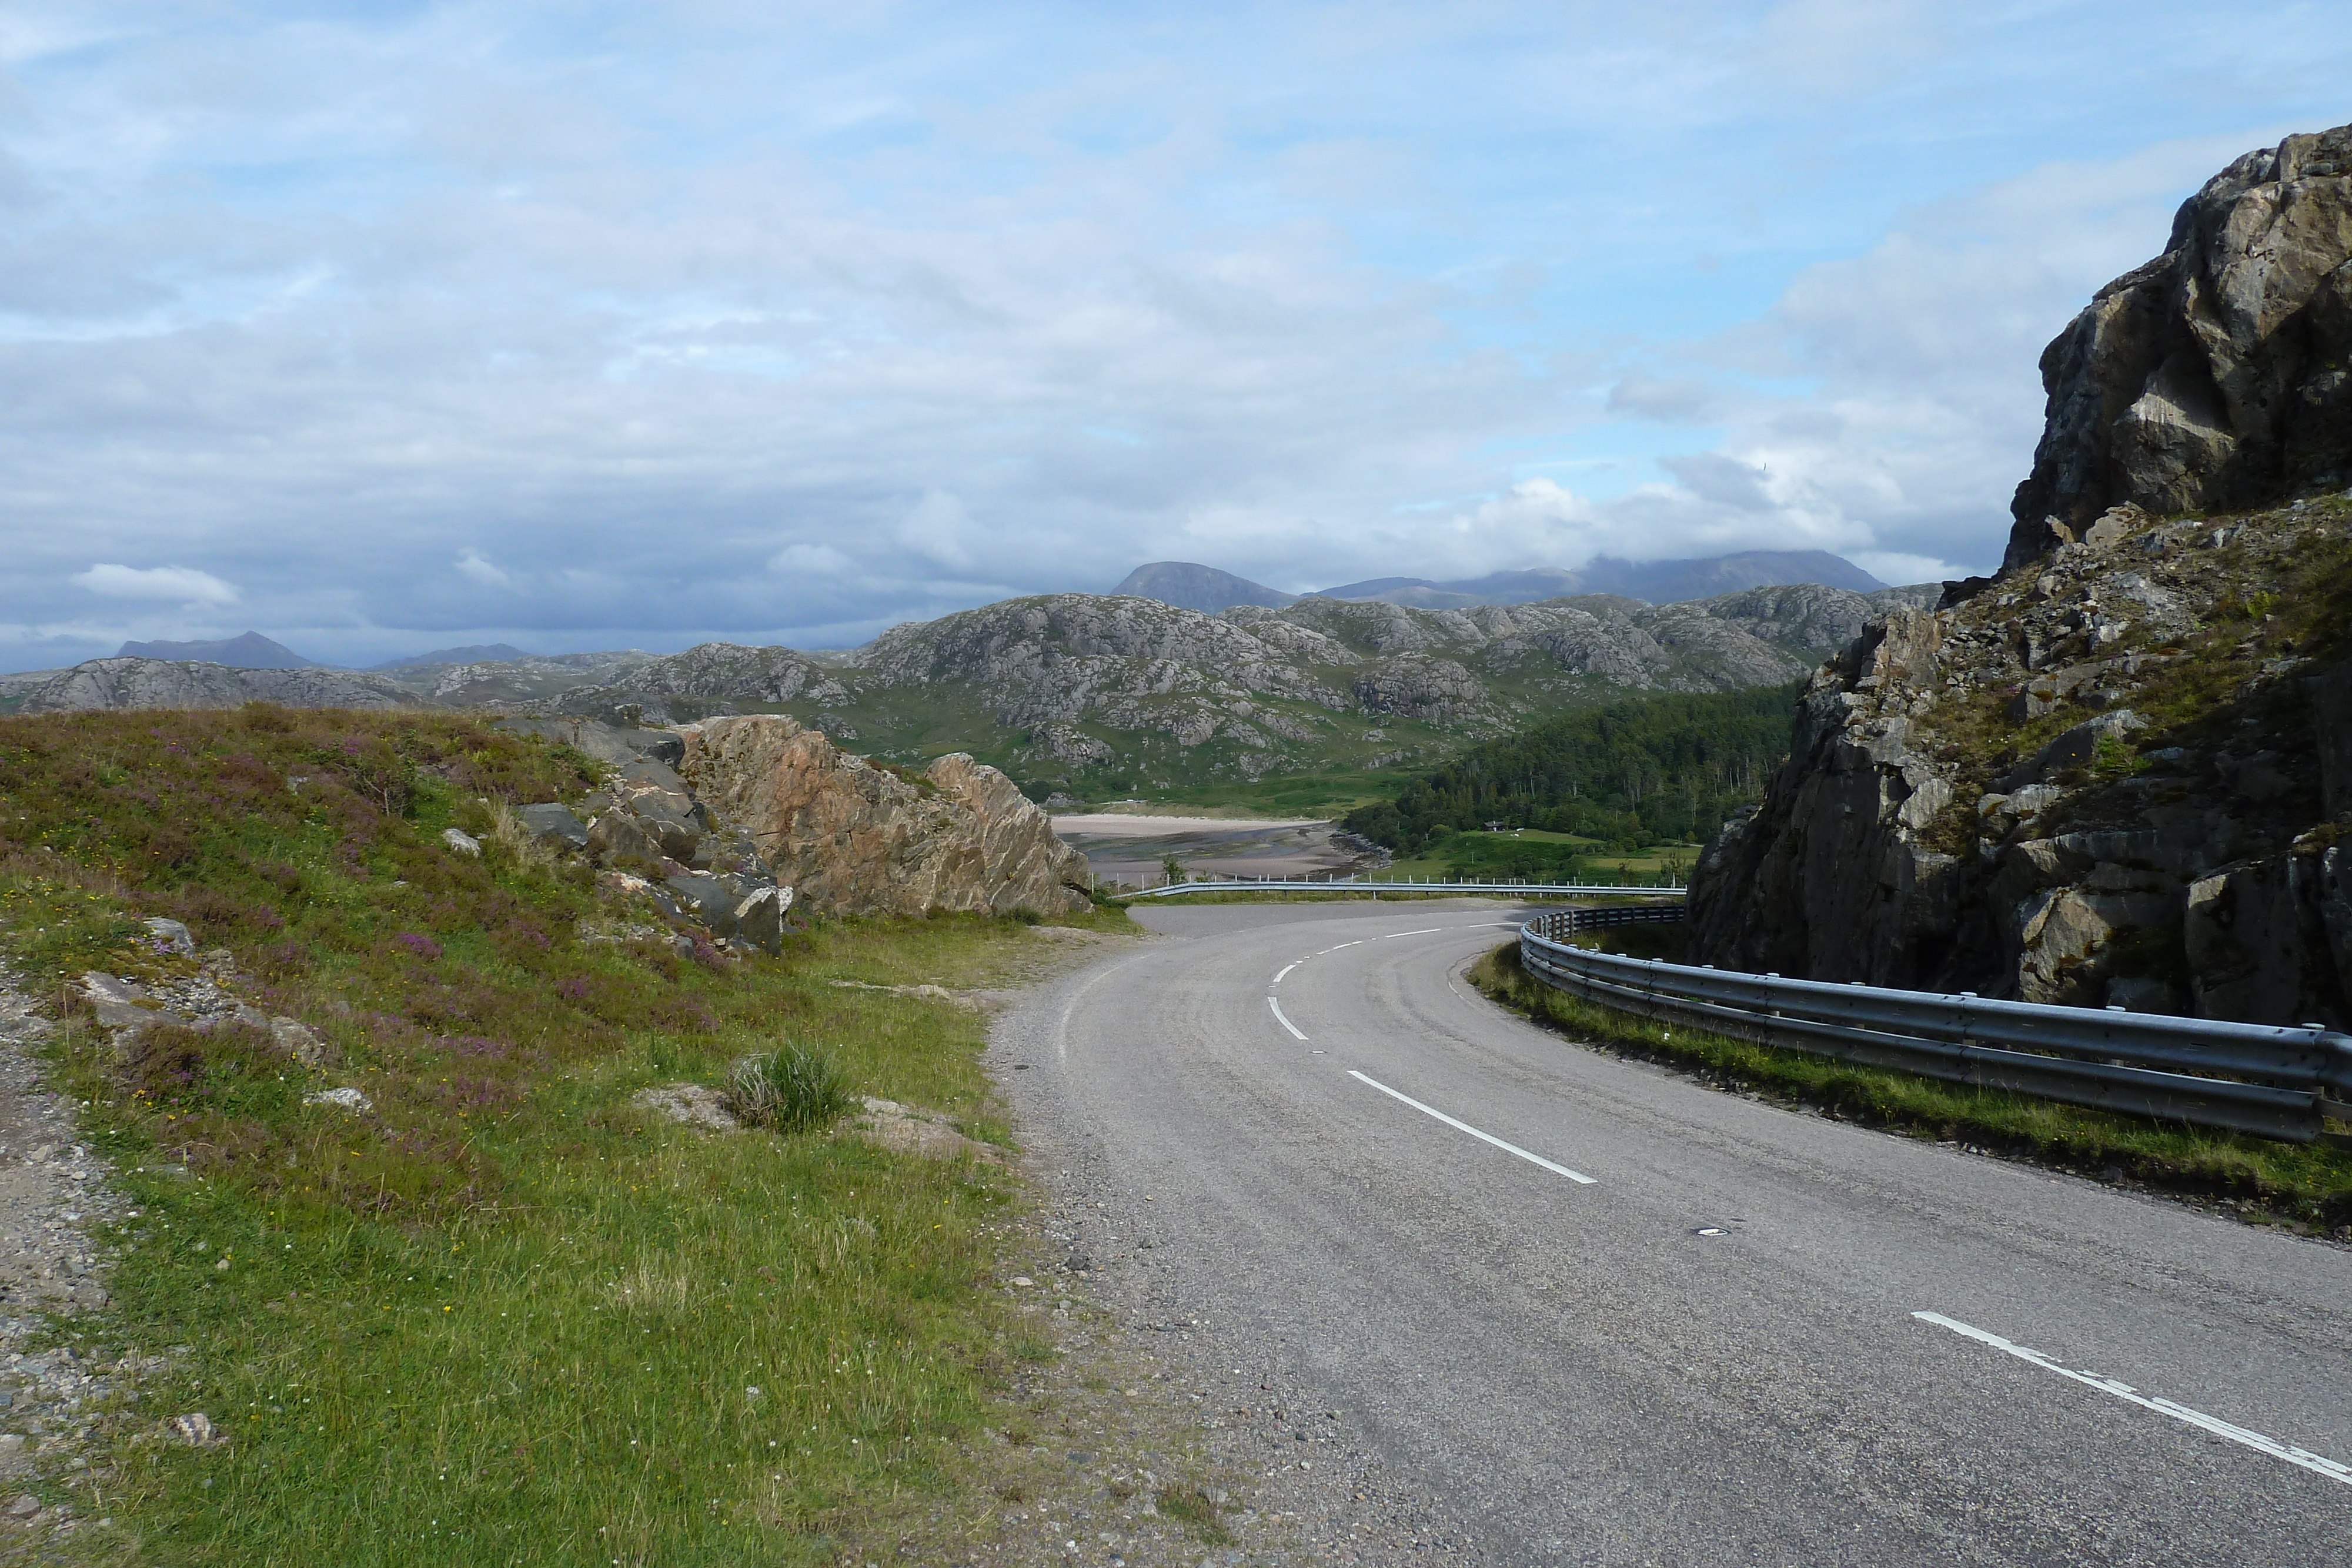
(1708, 1352)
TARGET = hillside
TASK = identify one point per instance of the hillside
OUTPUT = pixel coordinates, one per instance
(1083, 694)
(2118, 773)
(1086, 695)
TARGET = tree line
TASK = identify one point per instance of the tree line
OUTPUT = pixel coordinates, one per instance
(1644, 770)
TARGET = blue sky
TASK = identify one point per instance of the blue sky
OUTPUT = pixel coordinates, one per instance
(380, 328)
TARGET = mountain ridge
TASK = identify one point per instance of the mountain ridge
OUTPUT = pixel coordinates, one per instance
(1189, 585)
(248, 651)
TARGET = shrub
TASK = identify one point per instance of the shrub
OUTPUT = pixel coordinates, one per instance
(792, 1091)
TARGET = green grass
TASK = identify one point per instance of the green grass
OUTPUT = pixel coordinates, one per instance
(1537, 855)
(1324, 795)
(505, 1316)
(2308, 1186)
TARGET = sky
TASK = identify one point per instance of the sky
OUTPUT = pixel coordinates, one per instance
(381, 328)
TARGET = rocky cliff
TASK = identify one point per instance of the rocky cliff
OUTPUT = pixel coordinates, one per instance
(2219, 375)
(2118, 773)
(855, 838)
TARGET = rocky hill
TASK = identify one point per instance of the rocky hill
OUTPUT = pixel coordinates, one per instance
(190, 684)
(1089, 694)
(1084, 693)
(2118, 773)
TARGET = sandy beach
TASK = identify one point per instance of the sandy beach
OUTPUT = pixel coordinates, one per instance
(1119, 825)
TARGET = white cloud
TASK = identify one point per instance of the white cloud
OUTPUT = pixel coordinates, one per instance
(995, 304)
(940, 530)
(1899, 570)
(179, 584)
(474, 567)
(810, 561)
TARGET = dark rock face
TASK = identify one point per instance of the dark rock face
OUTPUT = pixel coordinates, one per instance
(2217, 374)
(1978, 798)
(555, 822)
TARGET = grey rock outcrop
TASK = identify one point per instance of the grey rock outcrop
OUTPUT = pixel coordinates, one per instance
(114, 683)
(855, 838)
(2219, 375)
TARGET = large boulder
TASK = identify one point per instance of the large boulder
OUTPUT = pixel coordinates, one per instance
(855, 838)
(2216, 374)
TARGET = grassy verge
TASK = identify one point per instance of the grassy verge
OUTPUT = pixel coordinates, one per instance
(502, 1315)
(2306, 1187)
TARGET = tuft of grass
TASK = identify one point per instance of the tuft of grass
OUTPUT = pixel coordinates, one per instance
(2308, 1186)
(1197, 1508)
(792, 1091)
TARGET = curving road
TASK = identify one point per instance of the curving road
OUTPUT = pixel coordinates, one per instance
(1609, 1315)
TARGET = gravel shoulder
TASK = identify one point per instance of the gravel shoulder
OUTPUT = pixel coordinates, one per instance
(55, 1389)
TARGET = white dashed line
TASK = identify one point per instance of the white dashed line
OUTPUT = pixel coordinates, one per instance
(1284, 1022)
(1576, 1176)
(1286, 968)
(2314, 1463)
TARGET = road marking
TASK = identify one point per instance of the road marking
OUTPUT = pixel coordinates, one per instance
(1423, 932)
(1576, 1176)
(1286, 968)
(1284, 1022)
(2308, 1460)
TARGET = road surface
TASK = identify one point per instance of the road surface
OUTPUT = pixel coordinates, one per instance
(1609, 1315)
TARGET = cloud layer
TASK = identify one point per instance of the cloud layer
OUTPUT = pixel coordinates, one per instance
(595, 326)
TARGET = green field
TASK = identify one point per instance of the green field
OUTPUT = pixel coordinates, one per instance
(1532, 854)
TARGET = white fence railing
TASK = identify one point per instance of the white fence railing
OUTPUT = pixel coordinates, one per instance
(1361, 884)
(2282, 1082)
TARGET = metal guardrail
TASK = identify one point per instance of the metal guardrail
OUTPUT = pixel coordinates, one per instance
(2278, 1081)
(1407, 884)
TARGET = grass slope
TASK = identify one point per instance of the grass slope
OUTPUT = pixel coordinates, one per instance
(504, 1317)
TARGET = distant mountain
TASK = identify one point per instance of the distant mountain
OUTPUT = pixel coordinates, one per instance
(1202, 588)
(1656, 581)
(479, 653)
(251, 652)
(1672, 582)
